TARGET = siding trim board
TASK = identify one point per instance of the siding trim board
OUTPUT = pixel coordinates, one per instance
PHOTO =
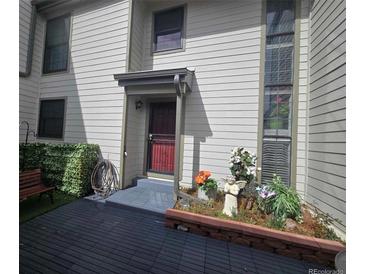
(294, 127)
(260, 131)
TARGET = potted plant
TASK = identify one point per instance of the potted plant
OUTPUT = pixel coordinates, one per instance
(207, 187)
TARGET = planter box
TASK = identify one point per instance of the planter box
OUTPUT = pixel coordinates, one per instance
(284, 243)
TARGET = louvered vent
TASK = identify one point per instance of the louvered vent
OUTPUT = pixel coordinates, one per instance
(276, 159)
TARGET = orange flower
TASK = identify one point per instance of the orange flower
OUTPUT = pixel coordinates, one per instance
(199, 180)
(202, 176)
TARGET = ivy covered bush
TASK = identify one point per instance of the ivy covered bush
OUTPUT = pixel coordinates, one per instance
(66, 166)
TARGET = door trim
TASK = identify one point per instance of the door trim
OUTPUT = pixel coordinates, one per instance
(148, 101)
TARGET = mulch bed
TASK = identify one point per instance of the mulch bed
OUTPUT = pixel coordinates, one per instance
(311, 225)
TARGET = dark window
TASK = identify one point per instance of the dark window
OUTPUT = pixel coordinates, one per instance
(168, 29)
(279, 59)
(51, 117)
(56, 46)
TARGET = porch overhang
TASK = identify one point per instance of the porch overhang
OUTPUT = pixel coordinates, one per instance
(179, 82)
(180, 78)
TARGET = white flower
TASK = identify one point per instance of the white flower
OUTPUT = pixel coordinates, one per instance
(237, 159)
(230, 164)
(252, 169)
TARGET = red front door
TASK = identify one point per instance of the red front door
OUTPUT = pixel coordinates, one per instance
(161, 138)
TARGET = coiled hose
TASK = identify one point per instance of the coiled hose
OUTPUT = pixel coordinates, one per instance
(104, 178)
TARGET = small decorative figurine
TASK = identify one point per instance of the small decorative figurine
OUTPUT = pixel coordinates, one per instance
(231, 190)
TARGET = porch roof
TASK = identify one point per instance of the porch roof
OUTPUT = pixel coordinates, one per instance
(179, 77)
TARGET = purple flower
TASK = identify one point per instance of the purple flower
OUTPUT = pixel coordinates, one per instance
(264, 192)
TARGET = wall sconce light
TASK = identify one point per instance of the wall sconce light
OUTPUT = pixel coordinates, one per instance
(139, 104)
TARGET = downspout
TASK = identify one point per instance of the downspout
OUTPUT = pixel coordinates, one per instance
(33, 21)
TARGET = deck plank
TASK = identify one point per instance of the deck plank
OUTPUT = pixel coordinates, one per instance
(87, 236)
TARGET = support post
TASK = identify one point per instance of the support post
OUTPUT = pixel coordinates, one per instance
(178, 131)
(123, 145)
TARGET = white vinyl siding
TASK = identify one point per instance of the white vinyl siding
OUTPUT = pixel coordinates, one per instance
(223, 45)
(25, 16)
(135, 140)
(327, 110)
(136, 52)
(94, 100)
(29, 86)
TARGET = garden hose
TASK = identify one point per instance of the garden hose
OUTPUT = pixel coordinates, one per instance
(104, 178)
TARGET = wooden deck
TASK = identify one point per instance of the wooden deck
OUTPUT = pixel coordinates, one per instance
(91, 237)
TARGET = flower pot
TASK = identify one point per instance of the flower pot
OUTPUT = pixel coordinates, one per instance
(209, 195)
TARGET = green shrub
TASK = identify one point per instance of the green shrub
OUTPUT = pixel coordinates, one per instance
(66, 166)
(280, 200)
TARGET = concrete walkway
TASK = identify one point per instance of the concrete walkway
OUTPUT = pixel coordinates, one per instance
(90, 237)
(149, 194)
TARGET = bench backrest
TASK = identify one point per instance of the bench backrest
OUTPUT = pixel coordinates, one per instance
(30, 178)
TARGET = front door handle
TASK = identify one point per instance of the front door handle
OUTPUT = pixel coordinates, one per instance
(150, 137)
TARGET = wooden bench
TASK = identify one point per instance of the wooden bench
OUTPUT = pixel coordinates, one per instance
(30, 184)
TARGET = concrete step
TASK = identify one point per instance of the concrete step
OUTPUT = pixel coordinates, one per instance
(148, 195)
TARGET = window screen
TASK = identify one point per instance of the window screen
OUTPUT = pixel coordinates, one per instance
(56, 46)
(51, 117)
(168, 28)
(279, 58)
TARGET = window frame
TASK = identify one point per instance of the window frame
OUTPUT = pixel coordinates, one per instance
(294, 95)
(63, 122)
(183, 31)
(66, 70)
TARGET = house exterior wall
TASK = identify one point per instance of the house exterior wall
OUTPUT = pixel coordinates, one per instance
(29, 86)
(327, 110)
(25, 12)
(135, 140)
(223, 46)
(98, 48)
(137, 45)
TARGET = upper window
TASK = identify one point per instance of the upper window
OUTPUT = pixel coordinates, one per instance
(57, 45)
(51, 118)
(168, 29)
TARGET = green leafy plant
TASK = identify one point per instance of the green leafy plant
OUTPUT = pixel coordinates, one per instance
(282, 201)
(66, 166)
(210, 184)
(242, 164)
(277, 223)
(325, 229)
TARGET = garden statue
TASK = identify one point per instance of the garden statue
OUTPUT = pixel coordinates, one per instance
(231, 190)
